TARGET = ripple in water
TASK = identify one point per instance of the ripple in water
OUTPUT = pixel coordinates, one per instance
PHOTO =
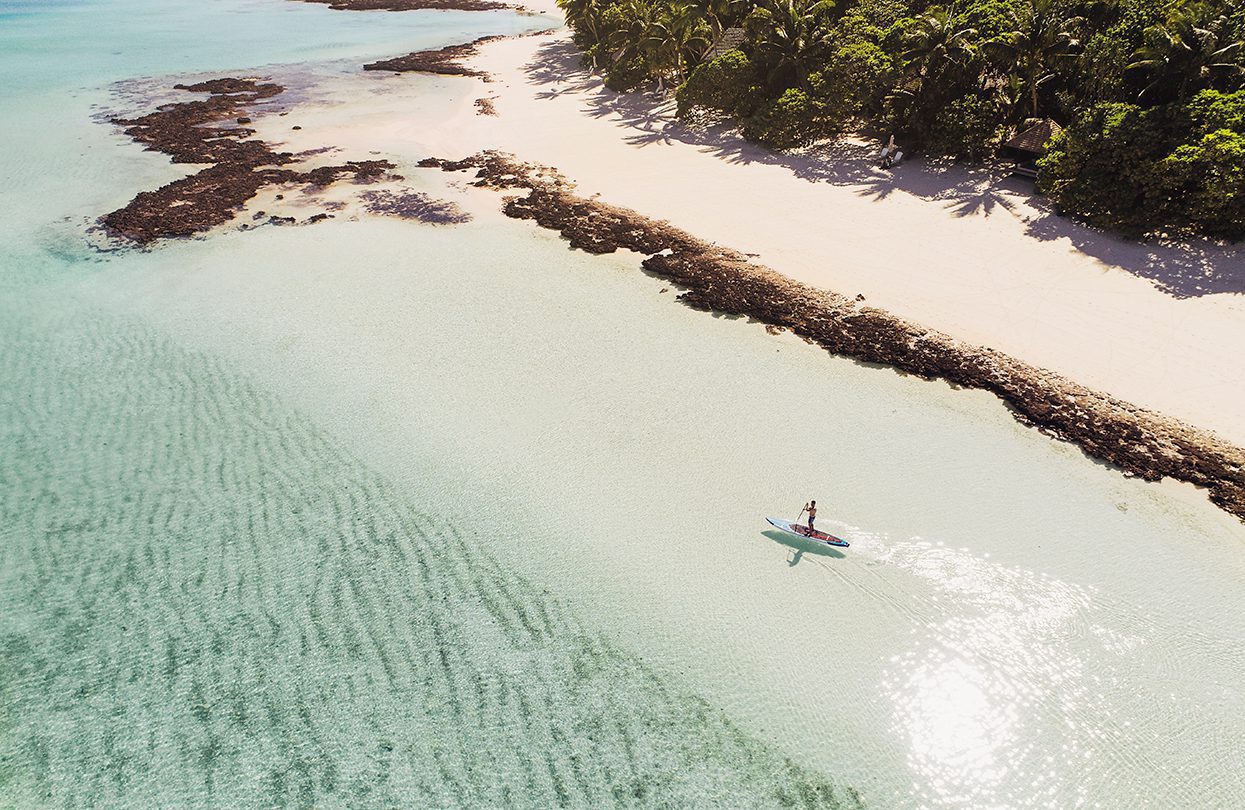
(207, 602)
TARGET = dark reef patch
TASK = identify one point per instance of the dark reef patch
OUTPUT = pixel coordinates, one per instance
(1141, 442)
(447, 61)
(239, 166)
(411, 5)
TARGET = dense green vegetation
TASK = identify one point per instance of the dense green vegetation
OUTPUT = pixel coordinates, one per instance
(1151, 92)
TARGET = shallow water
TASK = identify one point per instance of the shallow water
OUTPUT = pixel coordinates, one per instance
(377, 512)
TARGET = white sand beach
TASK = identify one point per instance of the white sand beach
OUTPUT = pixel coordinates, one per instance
(352, 500)
(970, 252)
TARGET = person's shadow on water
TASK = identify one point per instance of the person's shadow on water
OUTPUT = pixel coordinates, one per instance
(801, 547)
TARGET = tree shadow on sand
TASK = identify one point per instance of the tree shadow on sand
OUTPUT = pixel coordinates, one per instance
(1183, 269)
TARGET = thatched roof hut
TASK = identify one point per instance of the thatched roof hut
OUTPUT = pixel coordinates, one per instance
(1031, 142)
(731, 39)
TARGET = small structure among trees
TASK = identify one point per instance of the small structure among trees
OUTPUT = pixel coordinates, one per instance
(1031, 143)
(730, 39)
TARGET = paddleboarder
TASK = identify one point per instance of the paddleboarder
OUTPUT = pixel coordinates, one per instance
(808, 532)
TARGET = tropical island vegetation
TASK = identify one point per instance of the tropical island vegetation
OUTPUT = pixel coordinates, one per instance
(1149, 94)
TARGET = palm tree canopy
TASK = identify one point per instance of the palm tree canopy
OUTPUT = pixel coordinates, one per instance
(1031, 53)
(937, 41)
(790, 34)
(1193, 52)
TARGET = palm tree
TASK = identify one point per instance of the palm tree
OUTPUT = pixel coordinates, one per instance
(663, 38)
(720, 14)
(937, 46)
(678, 33)
(938, 43)
(789, 34)
(1034, 50)
(1193, 52)
(629, 43)
(583, 16)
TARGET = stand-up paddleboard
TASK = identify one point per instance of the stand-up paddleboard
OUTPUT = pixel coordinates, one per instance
(800, 530)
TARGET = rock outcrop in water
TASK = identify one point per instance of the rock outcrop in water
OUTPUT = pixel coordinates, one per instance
(1141, 442)
(447, 61)
(410, 5)
(190, 132)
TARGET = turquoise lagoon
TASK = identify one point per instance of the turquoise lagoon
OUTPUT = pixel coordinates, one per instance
(379, 513)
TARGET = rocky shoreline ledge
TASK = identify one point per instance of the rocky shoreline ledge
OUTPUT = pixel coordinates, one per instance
(411, 5)
(447, 61)
(1140, 442)
(239, 166)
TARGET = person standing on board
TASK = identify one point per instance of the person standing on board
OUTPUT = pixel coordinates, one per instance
(811, 508)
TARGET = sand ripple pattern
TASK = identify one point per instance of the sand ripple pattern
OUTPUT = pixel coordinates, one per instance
(204, 601)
